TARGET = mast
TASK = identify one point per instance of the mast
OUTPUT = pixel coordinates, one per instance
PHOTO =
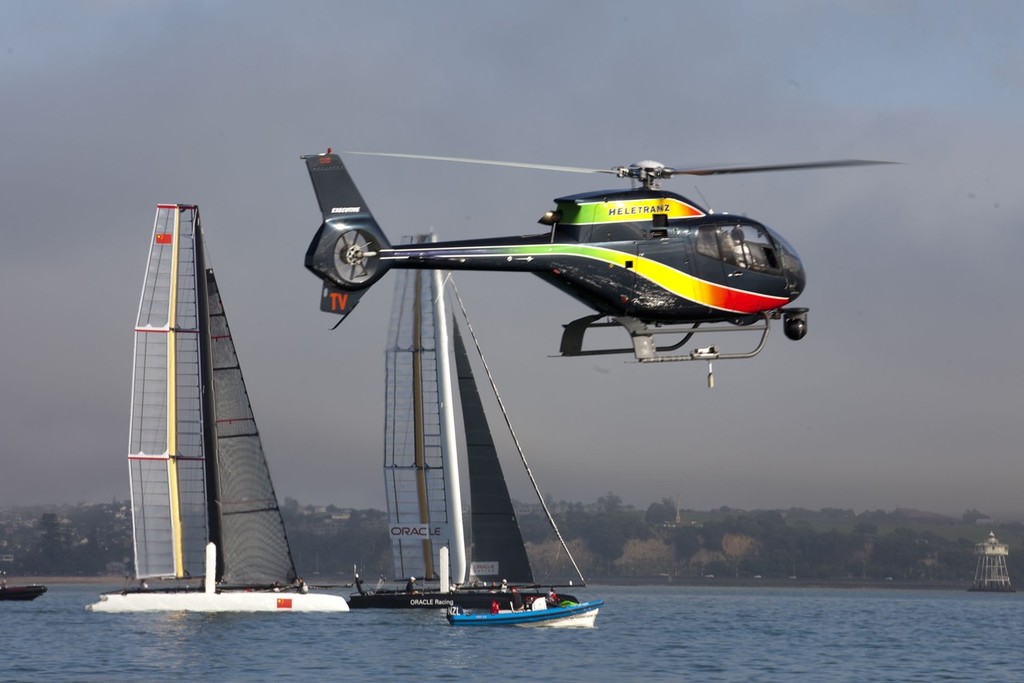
(419, 458)
(172, 402)
(185, 415)
(207, 397)
(457, 543)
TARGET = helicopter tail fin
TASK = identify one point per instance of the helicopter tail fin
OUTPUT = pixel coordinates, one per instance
(345, 252)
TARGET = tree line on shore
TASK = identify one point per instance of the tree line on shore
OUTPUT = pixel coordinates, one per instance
(607, 538)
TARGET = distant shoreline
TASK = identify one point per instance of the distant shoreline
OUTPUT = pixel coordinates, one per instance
(90, 580)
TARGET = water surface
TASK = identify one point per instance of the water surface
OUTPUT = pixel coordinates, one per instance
(643, 634)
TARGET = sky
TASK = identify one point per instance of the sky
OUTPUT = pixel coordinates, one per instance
(906, 392)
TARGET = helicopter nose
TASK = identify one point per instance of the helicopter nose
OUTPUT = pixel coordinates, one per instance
(792, 267)
(796, 277)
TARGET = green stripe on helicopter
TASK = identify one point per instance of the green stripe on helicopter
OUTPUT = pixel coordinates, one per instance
(622, 211)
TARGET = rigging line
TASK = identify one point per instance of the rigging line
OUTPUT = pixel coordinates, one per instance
(512, 431)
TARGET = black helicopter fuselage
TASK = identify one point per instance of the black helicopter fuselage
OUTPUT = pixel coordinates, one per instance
(640, 254)
(652, 255)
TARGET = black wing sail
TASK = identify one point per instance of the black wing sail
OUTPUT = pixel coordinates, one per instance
(497, 540)
(255, 548)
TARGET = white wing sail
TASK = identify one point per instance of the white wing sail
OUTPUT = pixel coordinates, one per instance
(420, 471)
(166, 454)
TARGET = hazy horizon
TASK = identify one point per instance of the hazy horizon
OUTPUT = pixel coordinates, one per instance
(906, 391)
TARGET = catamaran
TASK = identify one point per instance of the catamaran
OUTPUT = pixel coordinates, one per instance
(205, 515)
(421, 469)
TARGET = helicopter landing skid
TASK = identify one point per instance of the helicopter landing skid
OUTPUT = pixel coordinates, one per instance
(644, 347)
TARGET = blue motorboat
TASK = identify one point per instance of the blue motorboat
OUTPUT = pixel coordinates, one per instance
(572, 615)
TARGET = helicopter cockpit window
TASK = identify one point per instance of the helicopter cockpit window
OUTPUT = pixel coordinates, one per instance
(707, 243)
(746, 246)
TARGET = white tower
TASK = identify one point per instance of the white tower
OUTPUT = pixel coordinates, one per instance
(991, 574)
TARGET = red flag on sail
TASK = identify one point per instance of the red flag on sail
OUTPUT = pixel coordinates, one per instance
(164, 237)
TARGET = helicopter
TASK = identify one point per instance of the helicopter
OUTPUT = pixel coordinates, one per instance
(650, 261)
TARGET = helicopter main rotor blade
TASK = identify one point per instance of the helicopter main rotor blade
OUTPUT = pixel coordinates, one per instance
(774, 167)
(512, 164)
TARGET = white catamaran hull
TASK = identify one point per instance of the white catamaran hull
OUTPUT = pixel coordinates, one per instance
(227, 601)
(239, 600)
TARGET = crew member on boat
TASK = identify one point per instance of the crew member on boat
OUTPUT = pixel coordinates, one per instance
(517, 600)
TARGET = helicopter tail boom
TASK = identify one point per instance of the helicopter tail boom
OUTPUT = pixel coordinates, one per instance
(345, 252)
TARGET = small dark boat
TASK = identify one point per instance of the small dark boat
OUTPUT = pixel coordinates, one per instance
(21, 592)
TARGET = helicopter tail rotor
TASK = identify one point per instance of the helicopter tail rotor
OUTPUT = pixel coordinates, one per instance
(346, 251)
